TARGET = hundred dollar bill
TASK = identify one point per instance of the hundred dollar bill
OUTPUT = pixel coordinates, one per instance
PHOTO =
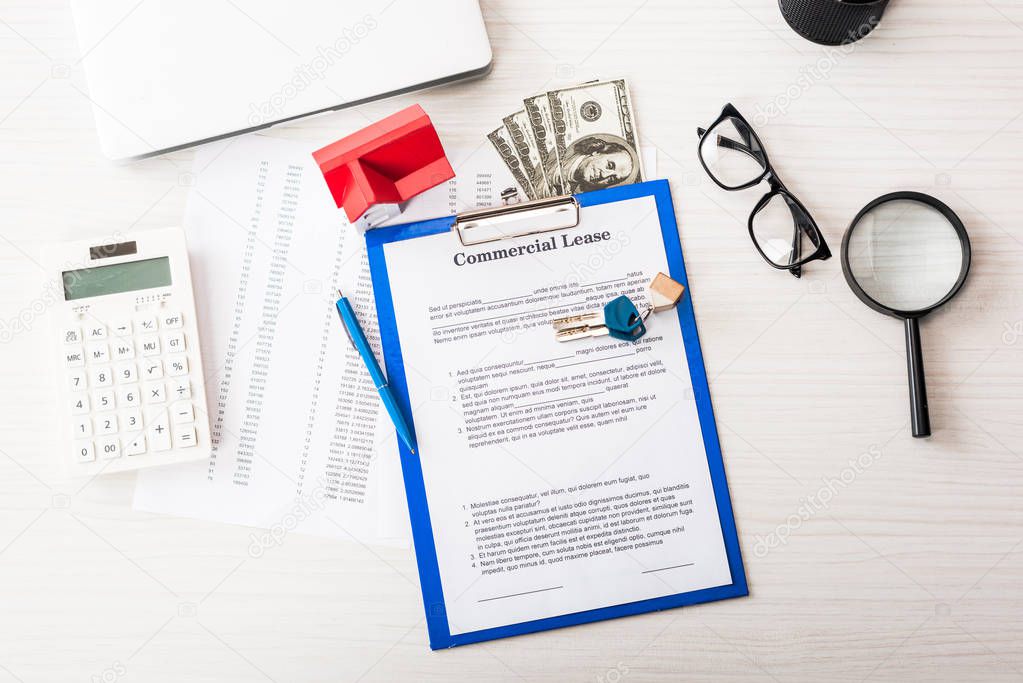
(538, 111)
(517, 125)
(502, 142)
(595, 136)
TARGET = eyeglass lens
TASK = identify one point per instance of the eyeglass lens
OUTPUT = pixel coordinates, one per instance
(777, 232)
(732, 153)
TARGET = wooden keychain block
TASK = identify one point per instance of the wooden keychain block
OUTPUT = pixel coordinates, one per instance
(664, 292)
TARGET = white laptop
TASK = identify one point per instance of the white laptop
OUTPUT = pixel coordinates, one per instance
(167, 74)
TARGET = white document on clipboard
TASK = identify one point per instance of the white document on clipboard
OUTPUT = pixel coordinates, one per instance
(554, 482)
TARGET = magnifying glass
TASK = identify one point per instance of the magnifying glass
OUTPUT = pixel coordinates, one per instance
(905, 254)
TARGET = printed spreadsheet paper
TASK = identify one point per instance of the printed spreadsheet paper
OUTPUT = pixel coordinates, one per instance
(552, 478)
(300, 440)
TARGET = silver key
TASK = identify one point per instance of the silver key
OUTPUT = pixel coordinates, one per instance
(591, 324)
(664, 295)
(580, 326)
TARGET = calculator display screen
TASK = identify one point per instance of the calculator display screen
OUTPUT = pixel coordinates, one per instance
(117, 278)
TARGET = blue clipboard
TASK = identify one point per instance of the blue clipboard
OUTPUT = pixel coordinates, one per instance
(419, 512)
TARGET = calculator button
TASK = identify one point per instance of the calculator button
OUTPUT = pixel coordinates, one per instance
(128, 396)
(155, 392)
(179, 388)
(136, 445)
(76, 380)
(108, 448)
(80, 404)
(121, 328)
(150, 345)
(158, 431)
(84, 451)
(95, 332)
(101, 376)
(72, 335)
(184, 437)
(74, 357)
(123, 349)
(106, 424)
(98, 352)
(152, 369)
(146, 323)
(125, 373)
(177, 366)
(182, 412)
(131, 421)
(170, 320)
(160, 442)
(82, 427)
(103, 399)
(174, 342)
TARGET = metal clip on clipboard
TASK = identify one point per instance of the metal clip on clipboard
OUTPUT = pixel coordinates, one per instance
(517, 220)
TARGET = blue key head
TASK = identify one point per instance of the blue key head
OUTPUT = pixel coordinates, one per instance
(623, 320)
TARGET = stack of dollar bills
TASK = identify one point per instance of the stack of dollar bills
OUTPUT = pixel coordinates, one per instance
(572, 140)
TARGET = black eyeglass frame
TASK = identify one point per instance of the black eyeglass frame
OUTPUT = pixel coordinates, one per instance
(755, 149)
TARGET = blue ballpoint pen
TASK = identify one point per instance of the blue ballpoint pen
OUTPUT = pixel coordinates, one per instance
(361, 344)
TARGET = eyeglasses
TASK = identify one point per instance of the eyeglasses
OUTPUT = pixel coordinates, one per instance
(781, 228)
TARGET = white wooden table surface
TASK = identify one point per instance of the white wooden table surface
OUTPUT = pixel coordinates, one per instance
(913, 569)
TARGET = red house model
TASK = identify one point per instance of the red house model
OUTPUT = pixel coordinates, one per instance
(371, 172)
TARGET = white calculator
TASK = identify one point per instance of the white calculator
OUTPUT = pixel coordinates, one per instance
(130, 372)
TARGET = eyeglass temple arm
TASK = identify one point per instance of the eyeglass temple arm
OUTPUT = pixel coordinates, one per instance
(728, 143)
(797, 244)
(802, 226)
(797, 253)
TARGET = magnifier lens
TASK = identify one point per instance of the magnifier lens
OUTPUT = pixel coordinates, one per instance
(905, 255)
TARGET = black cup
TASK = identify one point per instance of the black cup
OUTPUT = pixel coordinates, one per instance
(832, 22)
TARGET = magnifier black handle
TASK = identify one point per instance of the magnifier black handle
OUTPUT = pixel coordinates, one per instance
(918, 413)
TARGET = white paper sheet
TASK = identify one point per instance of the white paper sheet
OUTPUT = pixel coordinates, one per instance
(301, 442)
(560, 477)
